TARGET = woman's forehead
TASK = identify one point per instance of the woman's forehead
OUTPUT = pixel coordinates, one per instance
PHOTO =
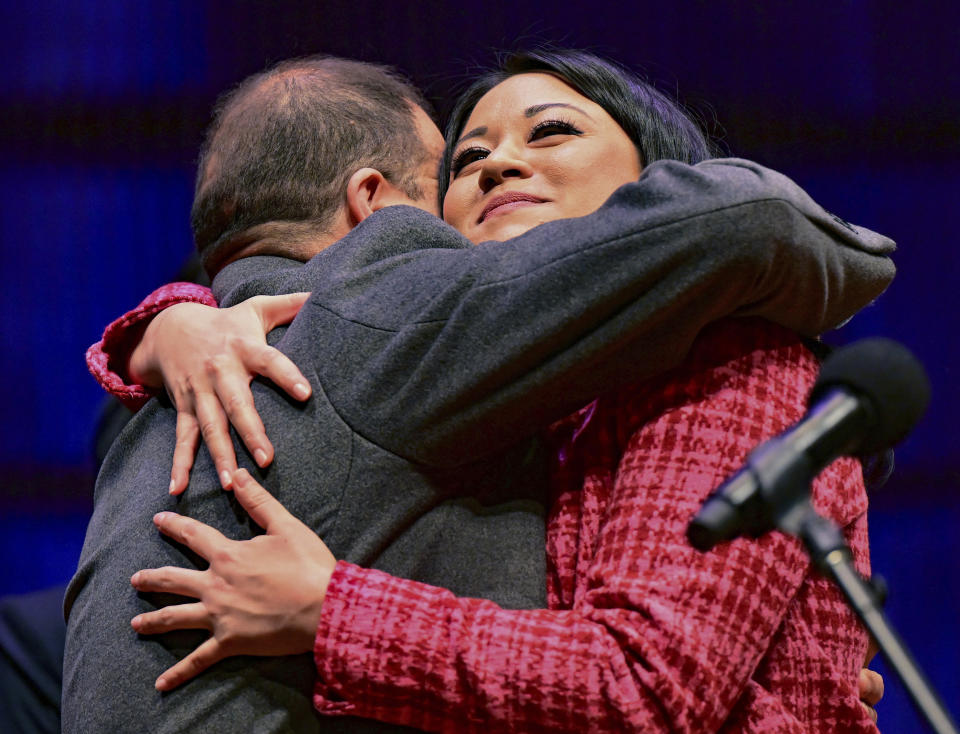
(521, 94)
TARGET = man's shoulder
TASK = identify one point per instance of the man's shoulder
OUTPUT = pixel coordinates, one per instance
(395, 230)
(392, 232)
(257, 275)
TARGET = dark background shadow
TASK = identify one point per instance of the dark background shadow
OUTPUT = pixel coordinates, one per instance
(103, 104)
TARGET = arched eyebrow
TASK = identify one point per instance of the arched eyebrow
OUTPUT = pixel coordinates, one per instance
(538, 108)
(475, 133)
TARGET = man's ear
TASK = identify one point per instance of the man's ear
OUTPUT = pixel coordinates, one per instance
(367, 191)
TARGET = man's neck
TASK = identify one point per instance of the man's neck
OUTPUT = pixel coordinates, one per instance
(294, 240)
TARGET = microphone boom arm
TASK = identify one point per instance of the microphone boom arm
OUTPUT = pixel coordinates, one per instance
(830, 554)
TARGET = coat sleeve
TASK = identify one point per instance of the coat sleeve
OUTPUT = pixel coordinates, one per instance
(657, 637)
(469, 351)
(107, 359)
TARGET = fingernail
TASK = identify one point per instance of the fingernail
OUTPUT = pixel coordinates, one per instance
(301, 391)
(135, 579)
(225, 478)
(135, 623)
(173, 486)
(261, 457)
(161, 683)
(160, 517)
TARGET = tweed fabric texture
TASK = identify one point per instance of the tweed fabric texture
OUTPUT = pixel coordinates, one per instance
(644, 633)
(122, 335)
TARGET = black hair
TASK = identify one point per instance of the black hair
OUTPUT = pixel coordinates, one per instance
(283, 144)
(658, 126)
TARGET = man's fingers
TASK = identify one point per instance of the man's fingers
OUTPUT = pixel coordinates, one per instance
(188, 438)
(276, 366)
(870, 686)
(262, 506)
(193, 664)
(174, 617)
(216, 434)
(200, 538)
(169, 579)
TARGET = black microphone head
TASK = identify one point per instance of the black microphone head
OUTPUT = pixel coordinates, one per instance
(888, 377)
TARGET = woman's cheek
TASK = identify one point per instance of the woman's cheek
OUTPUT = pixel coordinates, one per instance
(453, 207)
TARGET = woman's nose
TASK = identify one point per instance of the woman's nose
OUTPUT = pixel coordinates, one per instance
(501, 165)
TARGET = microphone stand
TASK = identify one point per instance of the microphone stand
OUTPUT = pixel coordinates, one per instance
(831, 555)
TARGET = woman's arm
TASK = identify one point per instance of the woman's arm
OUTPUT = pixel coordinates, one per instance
(408, 653)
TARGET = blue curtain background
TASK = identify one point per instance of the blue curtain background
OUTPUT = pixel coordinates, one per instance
(103, 107)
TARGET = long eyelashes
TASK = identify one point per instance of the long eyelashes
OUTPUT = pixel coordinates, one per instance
(555, 127)
(465, 157)
(542, 129)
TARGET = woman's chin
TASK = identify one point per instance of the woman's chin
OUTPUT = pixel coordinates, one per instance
(505, 227)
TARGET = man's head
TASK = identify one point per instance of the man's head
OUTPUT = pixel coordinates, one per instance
(298, 154)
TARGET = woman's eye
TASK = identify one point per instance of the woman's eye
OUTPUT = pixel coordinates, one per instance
(553, 127)
(465, 157)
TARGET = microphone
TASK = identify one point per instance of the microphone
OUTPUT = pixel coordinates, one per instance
(868, 396)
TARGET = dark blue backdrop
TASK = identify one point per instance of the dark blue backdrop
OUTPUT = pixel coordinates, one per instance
(103, 104)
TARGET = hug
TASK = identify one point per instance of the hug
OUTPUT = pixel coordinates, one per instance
(521, 357)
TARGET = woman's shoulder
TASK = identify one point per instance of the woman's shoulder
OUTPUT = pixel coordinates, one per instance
(750, 371)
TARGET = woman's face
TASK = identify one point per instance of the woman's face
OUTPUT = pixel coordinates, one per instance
(534, 150)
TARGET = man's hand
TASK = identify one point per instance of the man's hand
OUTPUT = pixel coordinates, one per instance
(206, 358)
(261, 596)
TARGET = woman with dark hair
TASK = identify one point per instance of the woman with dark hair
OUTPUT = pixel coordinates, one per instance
(643, 632)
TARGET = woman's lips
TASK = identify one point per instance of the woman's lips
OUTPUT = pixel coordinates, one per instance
(506, 203)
